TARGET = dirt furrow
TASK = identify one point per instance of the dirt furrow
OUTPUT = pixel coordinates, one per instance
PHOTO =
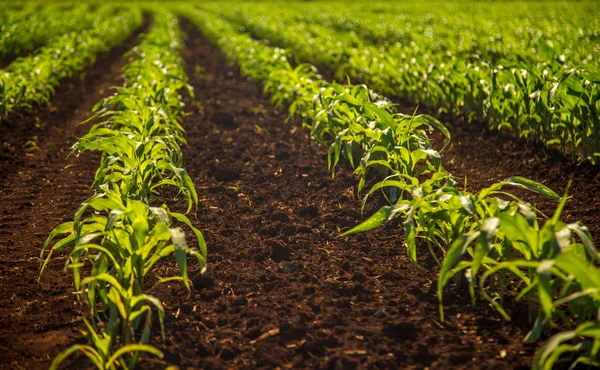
(40, 189)
(281, 290)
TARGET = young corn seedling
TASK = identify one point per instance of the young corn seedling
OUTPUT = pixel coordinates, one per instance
(102, 356)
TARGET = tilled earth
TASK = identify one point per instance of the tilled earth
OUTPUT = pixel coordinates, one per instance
(281, 289)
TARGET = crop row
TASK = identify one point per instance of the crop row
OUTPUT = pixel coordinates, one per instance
(12, 13)
(20, 35)
(117, 236)
(31, 80)
(532, 32)
(491, 240)
(555, 102)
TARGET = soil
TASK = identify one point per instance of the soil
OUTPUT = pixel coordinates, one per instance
(281, 289)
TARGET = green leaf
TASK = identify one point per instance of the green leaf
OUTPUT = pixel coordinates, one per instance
(384, 117)
(88, 351)
(376, 220)
(518, 231)
(178, 239)
(133, 348)
(201, 243)
(545, 291)
(454, 254)
(533, 186)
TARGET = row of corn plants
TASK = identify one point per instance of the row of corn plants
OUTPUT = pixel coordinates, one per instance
(470, 31)
(492, 240)
(14, 12)
(21, 35)
(31, 80)
(118, 236)
(555, 101)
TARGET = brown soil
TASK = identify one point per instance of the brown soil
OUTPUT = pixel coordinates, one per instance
(281, 290)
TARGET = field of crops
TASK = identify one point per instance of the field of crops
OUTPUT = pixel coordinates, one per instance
(331, 185)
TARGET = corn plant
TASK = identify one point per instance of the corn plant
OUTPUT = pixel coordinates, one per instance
(100, 354)
(121, 248)
(132, 236)
(139, 164)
